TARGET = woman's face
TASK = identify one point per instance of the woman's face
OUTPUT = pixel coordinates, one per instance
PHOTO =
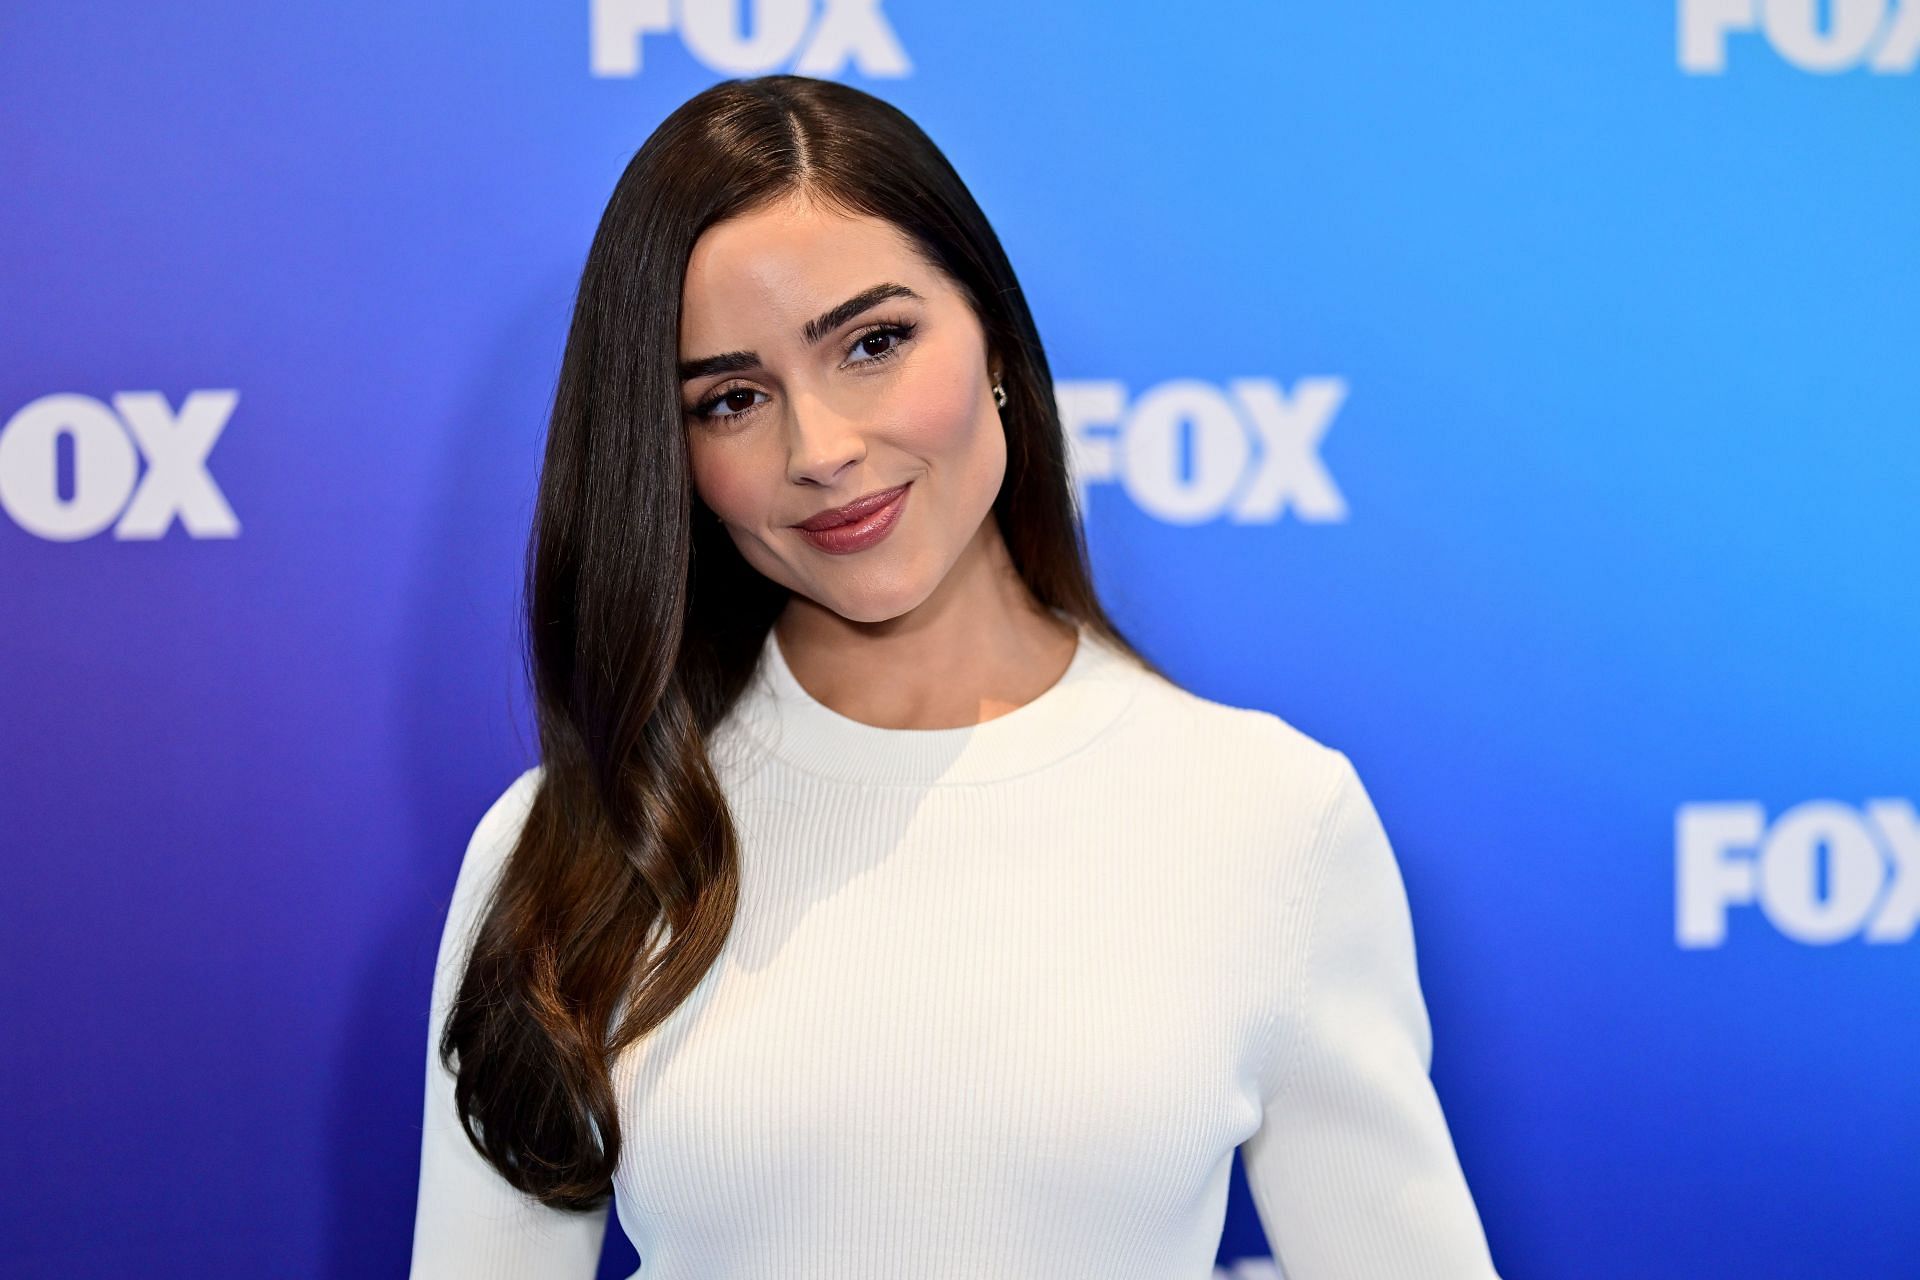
(784, 422)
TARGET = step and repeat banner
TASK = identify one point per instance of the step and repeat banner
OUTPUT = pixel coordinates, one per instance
(1524, 399)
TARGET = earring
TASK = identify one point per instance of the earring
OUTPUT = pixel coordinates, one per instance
(999, 395)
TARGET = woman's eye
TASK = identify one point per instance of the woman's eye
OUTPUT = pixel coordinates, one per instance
(735, 402)
(869, 348)
(878, 344)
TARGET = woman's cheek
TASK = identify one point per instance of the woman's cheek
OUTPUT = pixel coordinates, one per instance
(939, 406)
(724, 484)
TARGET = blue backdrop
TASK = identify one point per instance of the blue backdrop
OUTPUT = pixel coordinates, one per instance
(1519, 397)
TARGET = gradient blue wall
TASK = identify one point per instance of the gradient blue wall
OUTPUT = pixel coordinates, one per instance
(1581, 345)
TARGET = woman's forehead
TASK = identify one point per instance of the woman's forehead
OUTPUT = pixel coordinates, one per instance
(783, 246)
(775, 268)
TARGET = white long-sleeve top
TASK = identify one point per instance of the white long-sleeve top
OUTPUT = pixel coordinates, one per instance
(1001, 1001)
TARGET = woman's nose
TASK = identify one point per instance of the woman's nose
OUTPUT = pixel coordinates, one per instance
(821, 441)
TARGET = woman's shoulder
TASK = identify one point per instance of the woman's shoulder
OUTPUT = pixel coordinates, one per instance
(1242, 745)
(497, 830)
(510, 807)
(1262, 798)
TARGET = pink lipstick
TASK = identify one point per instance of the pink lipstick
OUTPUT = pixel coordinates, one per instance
(861, 523)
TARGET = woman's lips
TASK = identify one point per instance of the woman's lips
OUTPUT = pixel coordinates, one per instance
(858, 535)
(859, 509)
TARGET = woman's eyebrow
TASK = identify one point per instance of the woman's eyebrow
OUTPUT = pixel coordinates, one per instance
(812, 332)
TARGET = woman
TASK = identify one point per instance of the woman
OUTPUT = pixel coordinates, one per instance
(876, 910)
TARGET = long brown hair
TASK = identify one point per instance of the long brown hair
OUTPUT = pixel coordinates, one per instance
(643, 621)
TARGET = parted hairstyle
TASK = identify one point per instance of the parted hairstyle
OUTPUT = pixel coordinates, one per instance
(643, 621)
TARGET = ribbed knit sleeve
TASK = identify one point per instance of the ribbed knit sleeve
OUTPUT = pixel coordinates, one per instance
(469, 1222)
(1353, 1169)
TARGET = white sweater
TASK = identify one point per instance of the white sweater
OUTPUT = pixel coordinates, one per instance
(1001, 1001)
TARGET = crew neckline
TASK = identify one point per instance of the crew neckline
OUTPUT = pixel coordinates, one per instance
(788, 722)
